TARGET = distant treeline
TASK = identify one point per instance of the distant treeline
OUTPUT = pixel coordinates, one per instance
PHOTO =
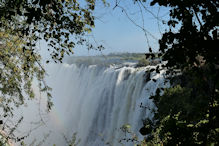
(139, 57)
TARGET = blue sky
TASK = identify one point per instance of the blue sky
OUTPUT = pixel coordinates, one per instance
(117, 33)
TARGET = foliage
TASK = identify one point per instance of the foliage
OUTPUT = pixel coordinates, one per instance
(143, 62)
(62, 24)
(54, 21)
(18, 68)
(197, 34)
(74, 141)
(7, 135)
(187, 113)
(183, 118)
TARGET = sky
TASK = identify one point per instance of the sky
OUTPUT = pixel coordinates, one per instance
(115, 30)
(119, 34)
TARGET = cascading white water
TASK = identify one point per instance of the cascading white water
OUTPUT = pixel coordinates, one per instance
(96, 101)
(94, 98)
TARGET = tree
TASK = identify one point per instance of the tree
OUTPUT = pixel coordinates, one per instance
(51, 20)
(62, 24)
(18, 68)
(188, 111)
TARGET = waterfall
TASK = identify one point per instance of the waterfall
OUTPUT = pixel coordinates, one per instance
(93, 98)
(96, 101)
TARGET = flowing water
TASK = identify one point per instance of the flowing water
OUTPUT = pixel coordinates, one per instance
(96, 100)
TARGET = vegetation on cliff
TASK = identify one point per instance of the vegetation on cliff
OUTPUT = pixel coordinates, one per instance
(187, 112)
